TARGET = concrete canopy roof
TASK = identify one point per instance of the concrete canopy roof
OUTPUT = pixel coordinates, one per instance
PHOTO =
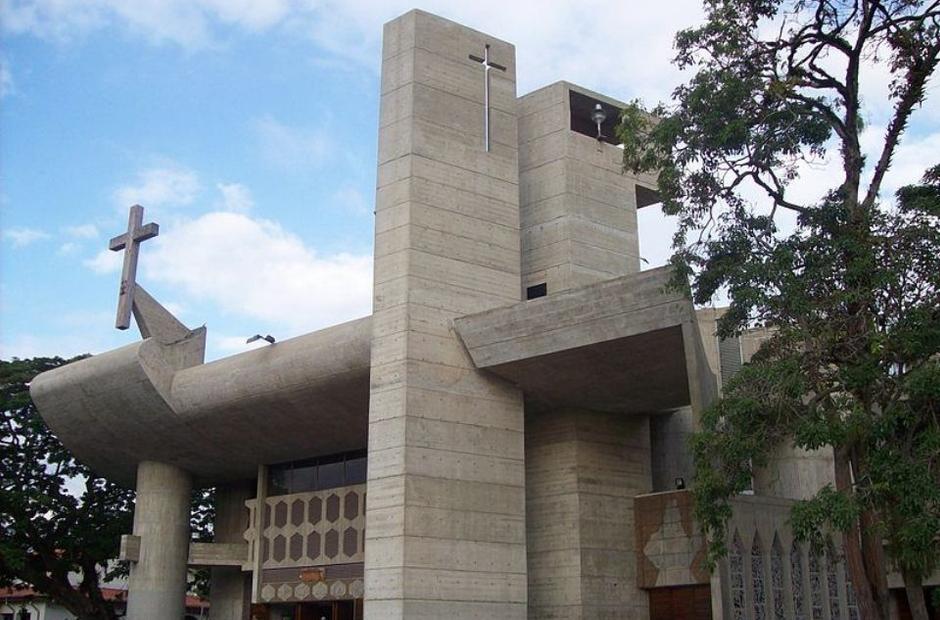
(293, 399)
(630, 344)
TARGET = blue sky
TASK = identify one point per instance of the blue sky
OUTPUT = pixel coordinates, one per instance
(247, 129)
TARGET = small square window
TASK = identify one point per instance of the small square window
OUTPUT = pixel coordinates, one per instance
(537, 290)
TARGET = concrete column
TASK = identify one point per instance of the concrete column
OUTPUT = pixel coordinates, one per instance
(445, 524)
(583, 469)
(230, 587)
(157, 584)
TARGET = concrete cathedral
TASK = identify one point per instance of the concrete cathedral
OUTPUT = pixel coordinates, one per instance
(504, 437)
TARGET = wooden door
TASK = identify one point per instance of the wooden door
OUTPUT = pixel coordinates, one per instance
(681, 603)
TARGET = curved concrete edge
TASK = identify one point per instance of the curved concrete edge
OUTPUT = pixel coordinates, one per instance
(106, 410)
(218, 421)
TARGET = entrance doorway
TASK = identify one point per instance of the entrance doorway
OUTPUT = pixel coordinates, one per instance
(333, 610)
(330, 610)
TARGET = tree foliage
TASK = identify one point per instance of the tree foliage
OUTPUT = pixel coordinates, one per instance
(849, 282)
(48, 532)
(57, 518)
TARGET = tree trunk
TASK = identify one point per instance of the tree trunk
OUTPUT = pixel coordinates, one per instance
(865, 590)
(873, 551)
(915, 596)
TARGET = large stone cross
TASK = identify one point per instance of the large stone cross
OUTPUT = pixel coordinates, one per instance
(130, 243)
(487, 65)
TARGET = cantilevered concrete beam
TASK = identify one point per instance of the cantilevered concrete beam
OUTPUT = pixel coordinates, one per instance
(630, 344)
(217, 421)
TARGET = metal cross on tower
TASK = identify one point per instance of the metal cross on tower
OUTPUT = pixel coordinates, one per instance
(487, 65)
(130, 243)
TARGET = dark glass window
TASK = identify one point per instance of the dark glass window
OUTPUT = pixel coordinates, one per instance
(331, 475)
(304, 478)
(279, 481)
(325, 472)
(356, 470)
(536, 291)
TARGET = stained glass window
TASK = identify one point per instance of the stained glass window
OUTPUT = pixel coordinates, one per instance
(815, 586)
(757, 579)
(796, 582)
(852, 603)
(736, 565)
(832, 579)
(776, 578)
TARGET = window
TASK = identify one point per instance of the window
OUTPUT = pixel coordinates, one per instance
(776, 578)
(729, 358)
(757, 579)
(852, 603)
(582, 117)
(325, 472)
(832, 580)
(537, 290)
(736, 567)
(816, 586)
(796, 582)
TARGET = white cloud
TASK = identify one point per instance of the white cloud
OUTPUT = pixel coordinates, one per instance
(235, 197)
(168, 186)
(254, 268)
(188, 23)
(105, 261)
(624, 48)
(292, 148)
(68, 248)
(913, 157)
(7, 86)
(351, 200)
(82, 231)
(236, 344)
(21, 236)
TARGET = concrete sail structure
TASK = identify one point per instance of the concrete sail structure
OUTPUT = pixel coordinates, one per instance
(500, 439)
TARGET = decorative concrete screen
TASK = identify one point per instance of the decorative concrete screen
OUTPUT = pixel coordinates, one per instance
(311, 544)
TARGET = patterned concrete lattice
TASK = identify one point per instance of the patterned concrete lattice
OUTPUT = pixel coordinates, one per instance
(311, 529)
(322, 590)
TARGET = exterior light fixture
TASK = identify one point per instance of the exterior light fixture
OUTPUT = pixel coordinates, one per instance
(269, 338)
(680, 484)
(599, 116)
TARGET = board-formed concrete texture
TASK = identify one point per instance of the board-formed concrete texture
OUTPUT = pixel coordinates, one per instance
(445, 527)
(519, 384)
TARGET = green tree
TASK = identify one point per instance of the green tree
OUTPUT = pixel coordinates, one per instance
(849, 282)
(46, 531)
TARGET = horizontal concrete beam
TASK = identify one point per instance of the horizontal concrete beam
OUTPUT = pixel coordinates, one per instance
(218, 554)
(625, 306)
(629, 344)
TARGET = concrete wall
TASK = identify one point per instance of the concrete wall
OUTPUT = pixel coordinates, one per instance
(583, 469)
(670, 434)
(446, 491)
(230, 587)
(578, 208)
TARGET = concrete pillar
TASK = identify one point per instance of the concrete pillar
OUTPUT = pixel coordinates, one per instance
(583, 469)
(230, 587)
(157, 584)
(445, 524)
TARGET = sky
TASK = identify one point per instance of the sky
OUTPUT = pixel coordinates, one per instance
(247, 130)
